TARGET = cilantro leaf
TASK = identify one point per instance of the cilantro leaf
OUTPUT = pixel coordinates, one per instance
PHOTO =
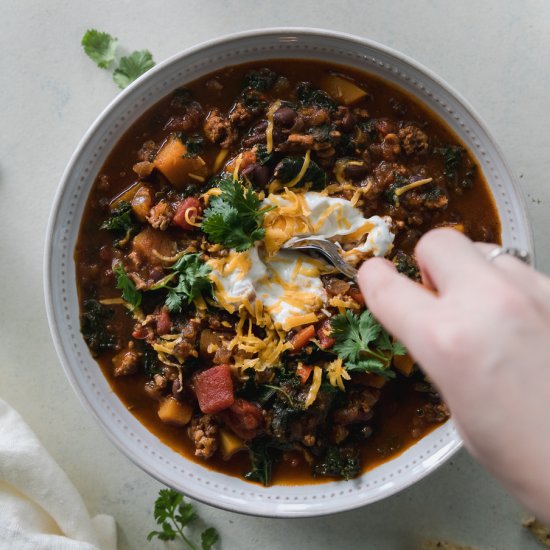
(209, 537)
(364, 344)
(130, 293)
(132, 67)
(234, 218)
(193, 281)
(172, 513)
(99, 47)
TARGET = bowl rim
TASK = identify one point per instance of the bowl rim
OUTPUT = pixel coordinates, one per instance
(158, 474)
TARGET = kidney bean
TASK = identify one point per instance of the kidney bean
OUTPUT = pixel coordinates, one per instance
(285, 117)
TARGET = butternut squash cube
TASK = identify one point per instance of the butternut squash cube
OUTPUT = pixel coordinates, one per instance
(178, 169)
(404, 364)
(342, 89)
(172, 411)
(230, 444)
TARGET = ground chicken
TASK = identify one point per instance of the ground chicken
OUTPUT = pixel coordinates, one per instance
(160, 216)
(240, 115)
(204, 433)
(127, 364)
(148, 151)
(219, 130)
(413, 140)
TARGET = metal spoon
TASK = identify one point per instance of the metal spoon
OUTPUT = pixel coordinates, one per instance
(327, 249)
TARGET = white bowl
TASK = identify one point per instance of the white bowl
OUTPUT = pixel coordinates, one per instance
(131, 437)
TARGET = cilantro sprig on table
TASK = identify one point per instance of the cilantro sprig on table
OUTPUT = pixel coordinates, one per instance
(132, 67)
(101, 48)
(363, 344)
(234, 217)
(173, 514)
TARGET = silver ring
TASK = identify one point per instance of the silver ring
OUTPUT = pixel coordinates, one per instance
(518, 253)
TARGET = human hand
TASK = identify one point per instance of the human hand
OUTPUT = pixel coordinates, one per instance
(481, 332)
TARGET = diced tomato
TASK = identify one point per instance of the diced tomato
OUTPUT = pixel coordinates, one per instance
(192, 207)
(303, 372)
(326, 341)
(302, 338)
(356, 295)
(214, 389)
(244, 418)
(140, 333)
(164, 323)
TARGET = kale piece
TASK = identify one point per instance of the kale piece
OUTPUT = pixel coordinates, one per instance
(290, 167)
(308, 95)
(260, 79)
(93, 327)
(338, 462)
(406, 264)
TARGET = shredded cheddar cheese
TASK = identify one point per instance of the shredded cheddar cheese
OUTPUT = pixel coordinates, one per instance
(270, 125)
(298, 320)
(336, 373)
(190, 216)
(296, 179)
(413, 185)
(314, 388)
(197, 177)
(220, 157)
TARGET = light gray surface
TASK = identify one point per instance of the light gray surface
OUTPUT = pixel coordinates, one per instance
(496, 54)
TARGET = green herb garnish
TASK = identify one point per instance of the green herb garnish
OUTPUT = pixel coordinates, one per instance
(364, 344)
(234, 217)
(132, 67)
(192, 278)
(100, 47)
(93, 327)
(130, 294)
(173, 514)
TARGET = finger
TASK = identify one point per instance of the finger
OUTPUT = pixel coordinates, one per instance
(447, 259)
(401, 305)
(516, 271)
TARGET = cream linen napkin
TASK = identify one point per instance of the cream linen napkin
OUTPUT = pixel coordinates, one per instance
(40, 509)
